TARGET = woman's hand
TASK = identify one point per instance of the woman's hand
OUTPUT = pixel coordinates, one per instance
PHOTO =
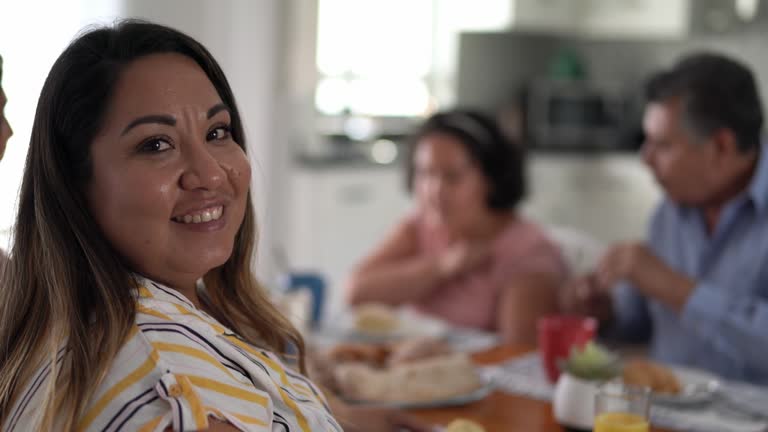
(463, 257)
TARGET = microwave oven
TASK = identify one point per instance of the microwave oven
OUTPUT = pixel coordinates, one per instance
(581, 115)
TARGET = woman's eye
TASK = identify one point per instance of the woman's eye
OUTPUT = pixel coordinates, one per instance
(219, 133)
(155, 145)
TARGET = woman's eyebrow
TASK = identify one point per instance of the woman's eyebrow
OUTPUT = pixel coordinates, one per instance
(152, 118)
(217, 109)
(168, 119)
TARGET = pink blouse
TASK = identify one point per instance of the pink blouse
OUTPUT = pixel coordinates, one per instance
(471, 300)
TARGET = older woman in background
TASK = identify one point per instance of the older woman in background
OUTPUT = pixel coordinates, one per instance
(465, 254)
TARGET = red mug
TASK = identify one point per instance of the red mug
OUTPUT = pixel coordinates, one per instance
(558, 334)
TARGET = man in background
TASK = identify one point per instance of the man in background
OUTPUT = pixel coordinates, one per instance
(697, 288)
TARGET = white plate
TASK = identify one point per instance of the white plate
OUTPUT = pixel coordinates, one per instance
(698, 387)
(457, 400)
(411, 324)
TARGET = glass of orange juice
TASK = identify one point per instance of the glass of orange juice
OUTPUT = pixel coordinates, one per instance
(622, 408)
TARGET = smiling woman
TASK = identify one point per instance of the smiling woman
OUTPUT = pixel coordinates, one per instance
(129, 302)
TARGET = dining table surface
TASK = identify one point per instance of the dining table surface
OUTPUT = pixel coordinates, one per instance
(501, 411)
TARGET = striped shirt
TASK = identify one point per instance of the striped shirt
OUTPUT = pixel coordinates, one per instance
(178, 368)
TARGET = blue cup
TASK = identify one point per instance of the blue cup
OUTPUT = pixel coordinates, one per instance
(315, 283)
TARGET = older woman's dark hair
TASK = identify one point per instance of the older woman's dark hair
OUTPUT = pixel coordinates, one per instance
(500, 159)
(716, 92)
(66, 286)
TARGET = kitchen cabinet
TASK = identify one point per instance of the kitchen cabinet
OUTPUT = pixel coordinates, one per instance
(338, 214)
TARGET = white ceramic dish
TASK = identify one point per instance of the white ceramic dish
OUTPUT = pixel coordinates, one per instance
(410, 324)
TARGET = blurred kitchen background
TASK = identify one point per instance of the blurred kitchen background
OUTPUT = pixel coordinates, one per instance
(329, 90)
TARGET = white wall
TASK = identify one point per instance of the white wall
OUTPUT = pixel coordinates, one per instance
(609, 197)
(30, 41)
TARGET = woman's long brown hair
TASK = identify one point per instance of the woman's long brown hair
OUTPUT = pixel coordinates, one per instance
(66, 297)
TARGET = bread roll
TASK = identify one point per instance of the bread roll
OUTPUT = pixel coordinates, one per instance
(372, 354)
(425, 380)
(645, 373)
(464, 425)
(375, 318)
(415, 349)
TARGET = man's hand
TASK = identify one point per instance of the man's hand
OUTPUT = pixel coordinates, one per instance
(635, 263)
(625, 262)
(584, 296)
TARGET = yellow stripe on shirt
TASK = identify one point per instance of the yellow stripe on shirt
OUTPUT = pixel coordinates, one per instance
(201, 418)
(192, 352)
(287, 400)
(275, 366)
(229, 390)
(184, 311)
(137, 374)
(144, 292)
(152, 312)
(248, 419)
(303, 390)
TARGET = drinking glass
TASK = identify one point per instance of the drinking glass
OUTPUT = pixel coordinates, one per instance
(558, 334)
(622, 408)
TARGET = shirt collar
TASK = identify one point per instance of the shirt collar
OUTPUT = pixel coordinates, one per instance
(149, 289)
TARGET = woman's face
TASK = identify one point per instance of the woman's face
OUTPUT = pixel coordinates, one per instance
(449, 186)
(170, 185)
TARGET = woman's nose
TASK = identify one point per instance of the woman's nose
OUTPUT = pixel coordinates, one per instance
(203, 170)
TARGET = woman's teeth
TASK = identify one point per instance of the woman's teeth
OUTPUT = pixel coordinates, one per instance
(206, 215)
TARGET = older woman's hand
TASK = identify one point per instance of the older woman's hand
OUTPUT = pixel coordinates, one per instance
(464, 257)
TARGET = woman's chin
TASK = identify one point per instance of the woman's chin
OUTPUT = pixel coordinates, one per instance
(203, 263)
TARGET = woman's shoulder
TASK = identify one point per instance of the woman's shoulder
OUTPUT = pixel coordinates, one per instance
(193, 351)
(174, 368)
(523, 234)
(526, 244)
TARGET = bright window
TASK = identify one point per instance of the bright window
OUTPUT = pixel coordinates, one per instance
(374, 57)
(32, 35)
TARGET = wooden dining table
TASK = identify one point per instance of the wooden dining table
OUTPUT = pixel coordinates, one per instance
(499, 411)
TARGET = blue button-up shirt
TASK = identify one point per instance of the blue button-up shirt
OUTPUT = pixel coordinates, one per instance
(723, 327)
